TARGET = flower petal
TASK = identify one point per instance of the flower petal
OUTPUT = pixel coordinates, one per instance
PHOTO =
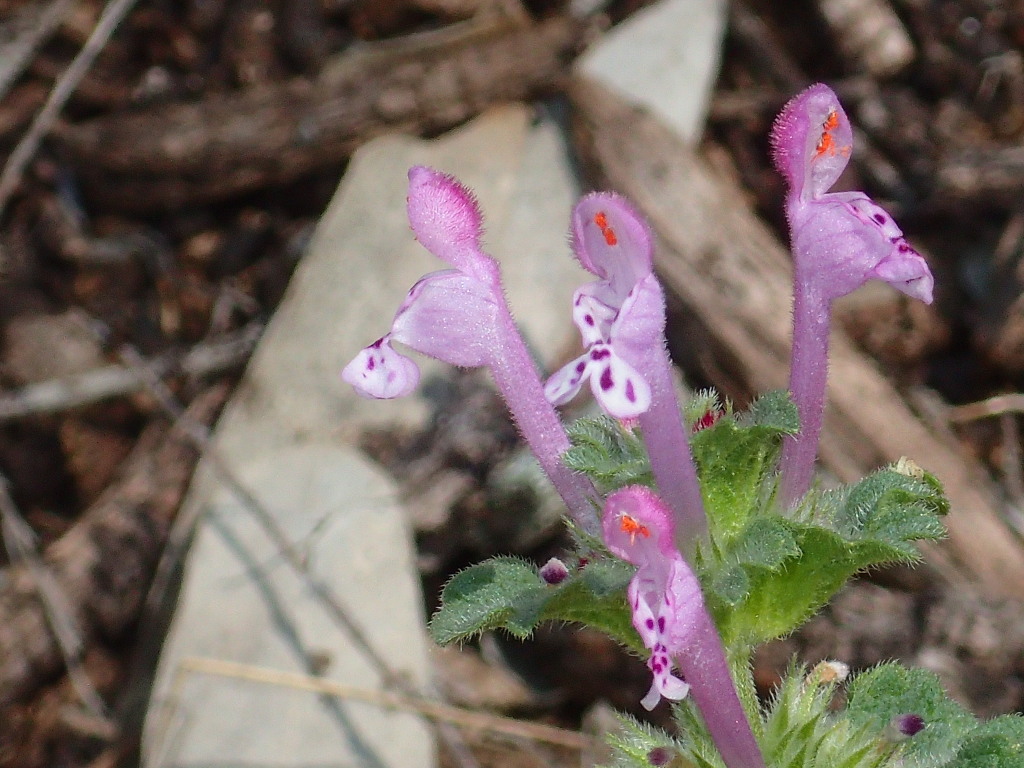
(638, 527)
(450, 316)
(446, 220)
(379, 371)
(907, 271)
(621, 391)
(611, 240)
(639, 326)
(566, 382)
(592, 311)
(651, 629)
(812, 141)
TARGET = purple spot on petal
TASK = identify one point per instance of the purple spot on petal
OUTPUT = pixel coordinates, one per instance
(377, 343)
(589, 320)
(661, 623)
(650, 623)
(600, 354)
(580, 367)
(371, 364)
(630, 392)
(903, 248)
(879, 218)
(606, 379)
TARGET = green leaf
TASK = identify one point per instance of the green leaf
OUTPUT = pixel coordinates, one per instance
(999, 743)
(879, 695)
(734, 458)
(485, 596)
(507, 593)
(607, 453)
(790, 568)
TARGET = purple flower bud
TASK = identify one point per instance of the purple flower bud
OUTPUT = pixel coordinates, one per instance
(907, 725)
(659, 756)
(554, 571)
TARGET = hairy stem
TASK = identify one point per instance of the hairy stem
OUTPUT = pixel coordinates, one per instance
(807, 380)
(668, 447)
(520, 386)
(705, 668)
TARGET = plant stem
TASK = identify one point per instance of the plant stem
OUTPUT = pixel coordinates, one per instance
(520, 386)
(668, 448)
(807, 381)
(713, 689)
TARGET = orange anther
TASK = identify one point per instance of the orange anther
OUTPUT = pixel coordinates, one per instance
(632, 526)
(827, 142)
(601, 219)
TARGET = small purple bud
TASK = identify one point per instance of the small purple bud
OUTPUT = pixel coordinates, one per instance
(659, 756)
(554, 571)
(907, 725)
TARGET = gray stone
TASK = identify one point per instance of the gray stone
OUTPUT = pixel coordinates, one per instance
(289, 435)
(664, 57)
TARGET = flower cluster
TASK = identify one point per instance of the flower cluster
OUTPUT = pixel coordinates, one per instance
(460, 316)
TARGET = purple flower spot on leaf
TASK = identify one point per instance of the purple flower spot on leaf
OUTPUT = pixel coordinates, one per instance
(659, 756)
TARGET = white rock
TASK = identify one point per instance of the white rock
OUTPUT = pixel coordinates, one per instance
(664, 57)
(290, 433)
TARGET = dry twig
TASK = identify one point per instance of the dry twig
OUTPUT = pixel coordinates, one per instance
(464, 718)
(62, 90)
(21, 547)
(117, 380)
(104, 562)
(29, 27)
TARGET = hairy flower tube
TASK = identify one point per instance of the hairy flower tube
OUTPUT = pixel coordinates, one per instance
(621, 318)
(669, 614)
(840, 240)
(460, 316)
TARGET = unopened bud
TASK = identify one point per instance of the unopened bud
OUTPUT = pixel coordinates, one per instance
(904, 726)
(829, 672)
(554, 571)
(659, 756)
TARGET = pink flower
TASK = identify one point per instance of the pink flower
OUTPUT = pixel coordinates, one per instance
(450, 315)
(619, 316)
(460, 316)
(840, 240)
(664, 591)
(670, 616)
